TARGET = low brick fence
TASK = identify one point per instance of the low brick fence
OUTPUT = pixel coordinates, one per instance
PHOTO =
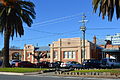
(92, 74)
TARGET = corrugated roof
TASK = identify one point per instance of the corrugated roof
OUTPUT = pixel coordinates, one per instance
(42, 48)
(111, 50)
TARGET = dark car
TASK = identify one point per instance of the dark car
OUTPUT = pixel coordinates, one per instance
(25, 64)
(0, 62)
(55, 64)
(43, 64)
(91, 63)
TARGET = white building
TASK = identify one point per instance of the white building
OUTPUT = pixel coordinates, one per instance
(114, 38)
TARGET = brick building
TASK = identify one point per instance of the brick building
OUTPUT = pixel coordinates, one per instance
(70, 49)
(30, 50)
(65, 49)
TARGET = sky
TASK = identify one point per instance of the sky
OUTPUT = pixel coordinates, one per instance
(57, 19)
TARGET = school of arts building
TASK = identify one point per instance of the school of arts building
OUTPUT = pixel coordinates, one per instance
(70, 49)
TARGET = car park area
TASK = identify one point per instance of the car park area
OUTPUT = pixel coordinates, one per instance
(87, 64)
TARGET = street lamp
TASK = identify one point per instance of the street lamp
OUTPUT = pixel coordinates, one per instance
(83, 29)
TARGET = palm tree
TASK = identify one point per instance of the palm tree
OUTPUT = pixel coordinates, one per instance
(13, 13)
(107, 7)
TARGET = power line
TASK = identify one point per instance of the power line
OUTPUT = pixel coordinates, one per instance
(57, 20)
(58, 33)
(49, 36)
(101, 28)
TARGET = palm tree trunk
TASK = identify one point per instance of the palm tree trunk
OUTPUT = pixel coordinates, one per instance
(5, 50)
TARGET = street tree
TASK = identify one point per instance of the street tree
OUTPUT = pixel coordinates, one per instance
(13, 13)
(107, 8)
(38, 56)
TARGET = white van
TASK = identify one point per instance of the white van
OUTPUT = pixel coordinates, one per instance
(109, 63)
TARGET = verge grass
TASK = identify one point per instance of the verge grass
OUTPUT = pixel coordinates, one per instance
(21, 70)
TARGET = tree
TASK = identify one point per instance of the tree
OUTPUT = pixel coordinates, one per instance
(0, 53)
(13, 13)
(107, 7)
(38, 56)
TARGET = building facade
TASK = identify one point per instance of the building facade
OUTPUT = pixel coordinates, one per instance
(30, 51)
(16, 54)
(70, 49)
(65, 49)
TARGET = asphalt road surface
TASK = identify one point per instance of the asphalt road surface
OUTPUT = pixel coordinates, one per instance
(38, 77)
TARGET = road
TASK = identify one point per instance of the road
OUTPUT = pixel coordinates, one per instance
(39, 77)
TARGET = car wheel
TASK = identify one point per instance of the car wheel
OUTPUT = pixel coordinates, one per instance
(21, 66)
(71, 67)
(112, 66)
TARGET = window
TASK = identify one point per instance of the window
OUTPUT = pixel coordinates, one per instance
(69, 54)
(65, 55)
(73, 55)
(55, 54)
(29, 55)
(48, 55)
(28, 47)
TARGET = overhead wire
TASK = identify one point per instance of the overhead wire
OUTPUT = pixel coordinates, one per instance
(48, 36)
(101, 28)
(52, 32)
(57, 20)
(71, 33)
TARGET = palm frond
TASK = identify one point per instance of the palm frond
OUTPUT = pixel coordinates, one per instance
(107, 8)
(14, 14)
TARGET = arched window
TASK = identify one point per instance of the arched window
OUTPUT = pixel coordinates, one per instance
(16, 56)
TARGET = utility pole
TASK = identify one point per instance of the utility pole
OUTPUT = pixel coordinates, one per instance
(83, 29)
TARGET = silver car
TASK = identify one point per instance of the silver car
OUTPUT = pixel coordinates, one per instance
(12, 62)
(71, 64)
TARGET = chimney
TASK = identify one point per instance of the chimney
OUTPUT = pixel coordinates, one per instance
(94, 40)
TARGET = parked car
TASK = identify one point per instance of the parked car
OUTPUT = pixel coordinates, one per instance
(25, 64)
(55, 64)
(58, 63)
(43, 64)
(109, 63)
(71, 64)
(12, 62)
(91, 63)
(0, 62)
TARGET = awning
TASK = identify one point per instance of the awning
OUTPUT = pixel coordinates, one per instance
(111, 50)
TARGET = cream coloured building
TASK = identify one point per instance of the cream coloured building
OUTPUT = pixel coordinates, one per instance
(70, 49)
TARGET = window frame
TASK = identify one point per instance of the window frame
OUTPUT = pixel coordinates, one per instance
(69, 54)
